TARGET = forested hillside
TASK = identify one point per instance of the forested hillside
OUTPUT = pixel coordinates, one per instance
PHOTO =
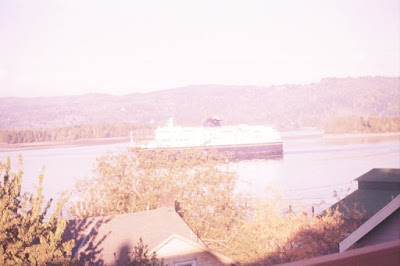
(78, 132)
(287, 107)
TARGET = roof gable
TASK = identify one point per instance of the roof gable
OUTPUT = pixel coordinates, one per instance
(222, 258)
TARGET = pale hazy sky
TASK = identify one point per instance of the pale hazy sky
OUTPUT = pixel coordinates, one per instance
(59, 47)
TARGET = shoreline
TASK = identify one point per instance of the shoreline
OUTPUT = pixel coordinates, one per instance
(4, 147)
(361, 135)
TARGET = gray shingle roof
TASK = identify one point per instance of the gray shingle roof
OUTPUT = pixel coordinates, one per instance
(98, 238)
(367, 201)
(370, 200)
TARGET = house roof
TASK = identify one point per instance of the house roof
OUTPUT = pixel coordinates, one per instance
(374, 221)
(367, 200)
(220, 256)
(98, 238)
(381, 175)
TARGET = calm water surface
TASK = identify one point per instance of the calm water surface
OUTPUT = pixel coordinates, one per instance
(311, 168)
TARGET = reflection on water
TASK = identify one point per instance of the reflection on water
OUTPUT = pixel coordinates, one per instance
(310, 170)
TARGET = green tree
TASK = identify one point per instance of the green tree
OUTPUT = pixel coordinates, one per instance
(26, 236)
(137, 180)
(246, 229)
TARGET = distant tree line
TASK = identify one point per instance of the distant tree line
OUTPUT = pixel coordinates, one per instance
(140, 131)
(350, 124)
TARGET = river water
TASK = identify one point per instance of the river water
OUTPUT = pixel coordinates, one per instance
(311, 169)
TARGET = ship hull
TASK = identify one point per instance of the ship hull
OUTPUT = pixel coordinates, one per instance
(251, 151)
(273, 150)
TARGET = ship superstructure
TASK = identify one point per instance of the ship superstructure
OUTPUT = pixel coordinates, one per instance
(242, 140)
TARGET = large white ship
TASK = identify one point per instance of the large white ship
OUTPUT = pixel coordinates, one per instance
(241, 142)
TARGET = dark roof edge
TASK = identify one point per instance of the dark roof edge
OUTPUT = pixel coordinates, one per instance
(386, 175)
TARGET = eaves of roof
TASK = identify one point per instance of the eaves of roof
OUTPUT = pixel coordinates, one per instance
(374, 221)
(387, 175)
